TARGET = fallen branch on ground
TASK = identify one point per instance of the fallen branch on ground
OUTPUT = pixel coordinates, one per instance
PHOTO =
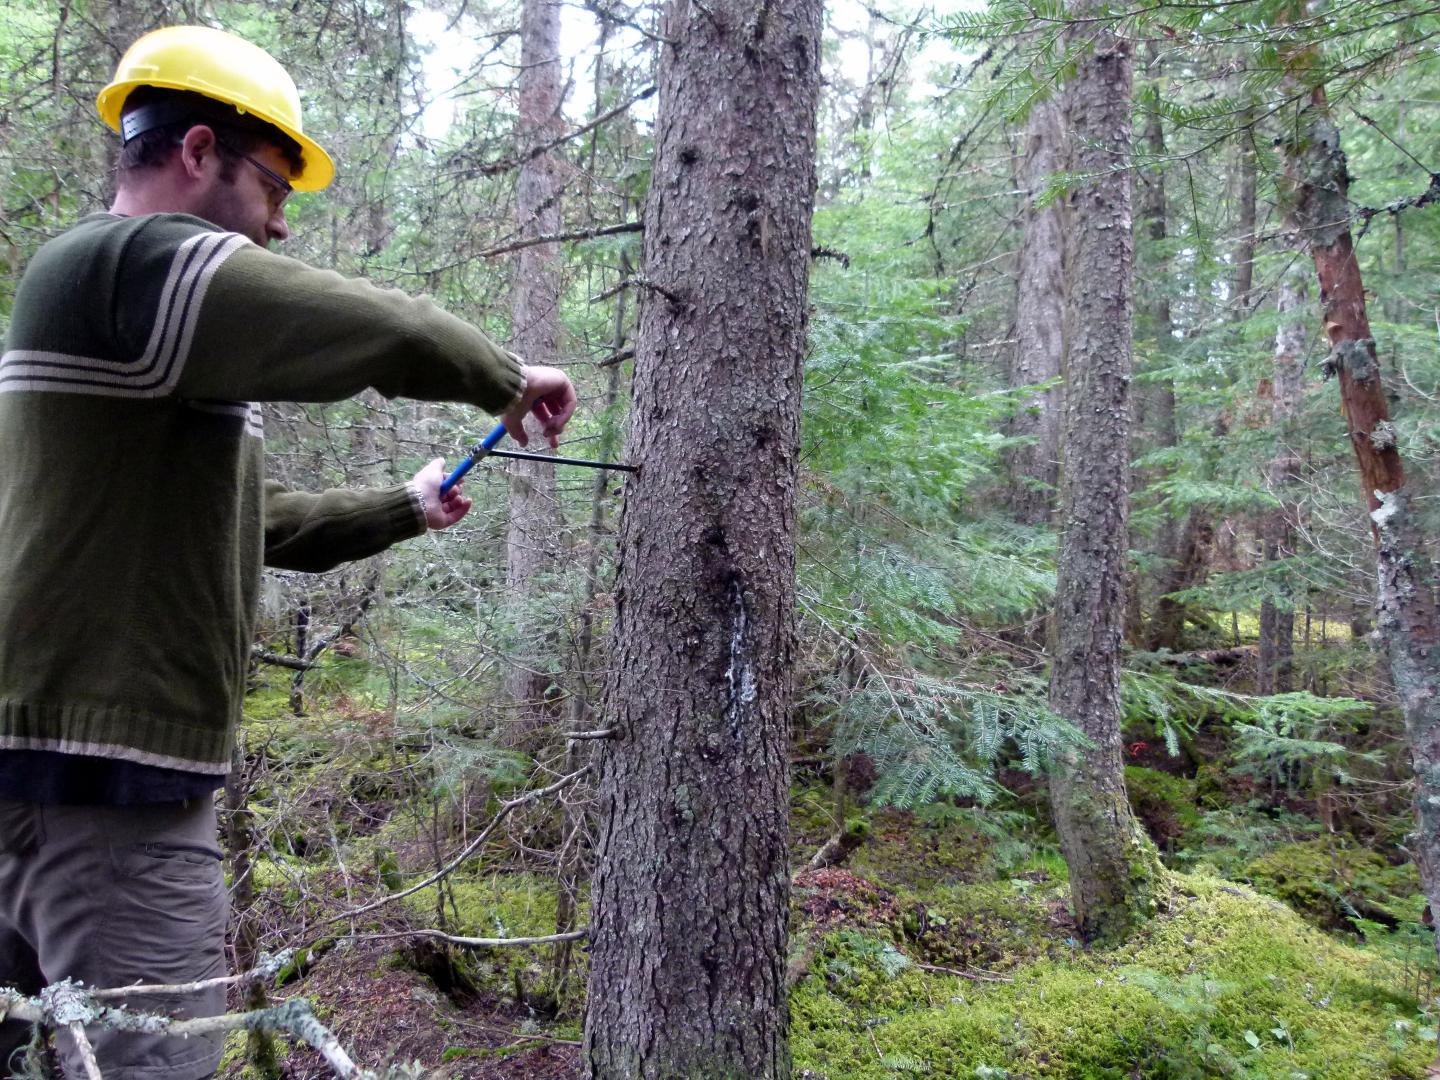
(69, 1005)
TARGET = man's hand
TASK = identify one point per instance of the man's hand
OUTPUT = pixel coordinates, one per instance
(441, 511)
(549, 398)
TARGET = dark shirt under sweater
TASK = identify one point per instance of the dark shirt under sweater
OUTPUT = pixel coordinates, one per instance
(44, 776)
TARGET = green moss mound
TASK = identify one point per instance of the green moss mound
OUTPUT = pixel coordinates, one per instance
(1334, 885)
(1225, 984)
(507, 905)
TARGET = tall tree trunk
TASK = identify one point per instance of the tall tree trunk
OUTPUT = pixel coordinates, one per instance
(1277, 613)
(1183, 549)
(1039, 296)
(531, 543)
(1189, 560)
(1115, 872)
(689, 898)
(1406, 578)
(581, 711)
(1245, 198)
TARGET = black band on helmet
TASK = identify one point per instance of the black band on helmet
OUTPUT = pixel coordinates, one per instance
(162, 113)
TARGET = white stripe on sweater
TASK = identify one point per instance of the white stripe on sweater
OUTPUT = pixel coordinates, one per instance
(156, 372)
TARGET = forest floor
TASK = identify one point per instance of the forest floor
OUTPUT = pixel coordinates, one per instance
(943, 947)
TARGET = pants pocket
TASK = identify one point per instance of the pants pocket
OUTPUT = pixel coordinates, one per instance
(22, 829)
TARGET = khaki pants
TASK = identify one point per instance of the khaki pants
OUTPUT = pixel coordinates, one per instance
(110, 896)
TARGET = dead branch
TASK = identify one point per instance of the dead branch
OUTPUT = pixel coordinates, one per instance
(559, 238)
(639, 283)
(69, 1005)
(475, 942)
(470, 848)
(535, 151)
(294, 663)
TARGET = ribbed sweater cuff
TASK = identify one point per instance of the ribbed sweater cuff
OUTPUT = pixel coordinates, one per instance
(417, 504)
(400, 510)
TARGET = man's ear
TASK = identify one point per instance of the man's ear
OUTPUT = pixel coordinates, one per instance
(198, 152)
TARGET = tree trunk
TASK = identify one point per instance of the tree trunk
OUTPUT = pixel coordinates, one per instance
(1182, 549)
(1035, 466)
(1115, 872)
(1245, 241)
(1277, 608)
(1406, 619)
(690, 894)
(576, 812)
(1189, 560)
(532, 539)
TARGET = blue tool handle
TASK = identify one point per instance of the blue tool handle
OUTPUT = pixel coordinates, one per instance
(478, 451)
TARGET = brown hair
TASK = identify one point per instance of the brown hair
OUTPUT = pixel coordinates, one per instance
(240, 132)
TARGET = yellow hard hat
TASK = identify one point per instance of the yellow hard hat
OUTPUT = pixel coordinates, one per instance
(225, 68)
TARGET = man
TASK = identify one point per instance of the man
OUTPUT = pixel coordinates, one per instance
(133, 517)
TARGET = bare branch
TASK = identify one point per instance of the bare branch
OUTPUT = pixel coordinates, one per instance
(535, 151)
(265, 656)
(475, 942)
(558, 238)
(470, 848)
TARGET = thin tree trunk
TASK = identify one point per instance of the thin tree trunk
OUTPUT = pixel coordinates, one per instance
(240, 845)
(1406, 577)
(1039, 348)
(532, 540)
(580, 709)
(1184, 550)
(1189, 560)
(1282, 472)
(1245, 241)
(690, 893)
(1115, 872)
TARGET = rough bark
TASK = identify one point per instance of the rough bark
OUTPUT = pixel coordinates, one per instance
(1035, 466)
(689, 898)
(1317, 186)
(531, 543)
(1115, 873)
(1277, 614)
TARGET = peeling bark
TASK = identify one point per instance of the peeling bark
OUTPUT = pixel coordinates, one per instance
(1317, 186)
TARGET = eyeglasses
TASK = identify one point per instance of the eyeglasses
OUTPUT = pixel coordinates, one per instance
(282, 187)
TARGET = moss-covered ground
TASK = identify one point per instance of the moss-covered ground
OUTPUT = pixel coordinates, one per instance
(942, 947)
(1226, 983)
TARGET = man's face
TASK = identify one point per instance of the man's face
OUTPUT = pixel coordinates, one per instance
(243, 199)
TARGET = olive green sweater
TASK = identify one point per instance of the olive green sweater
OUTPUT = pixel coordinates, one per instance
(133, 513)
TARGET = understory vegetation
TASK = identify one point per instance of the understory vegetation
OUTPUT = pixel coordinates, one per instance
(1288, 945)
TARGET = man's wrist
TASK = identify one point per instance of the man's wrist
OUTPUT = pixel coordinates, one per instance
(519, 394)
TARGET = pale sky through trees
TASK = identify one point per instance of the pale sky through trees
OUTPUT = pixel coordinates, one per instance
(451, 53)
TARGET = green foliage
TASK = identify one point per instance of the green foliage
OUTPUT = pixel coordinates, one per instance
(931, 738)
(1288, 734)
(1165, 804)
